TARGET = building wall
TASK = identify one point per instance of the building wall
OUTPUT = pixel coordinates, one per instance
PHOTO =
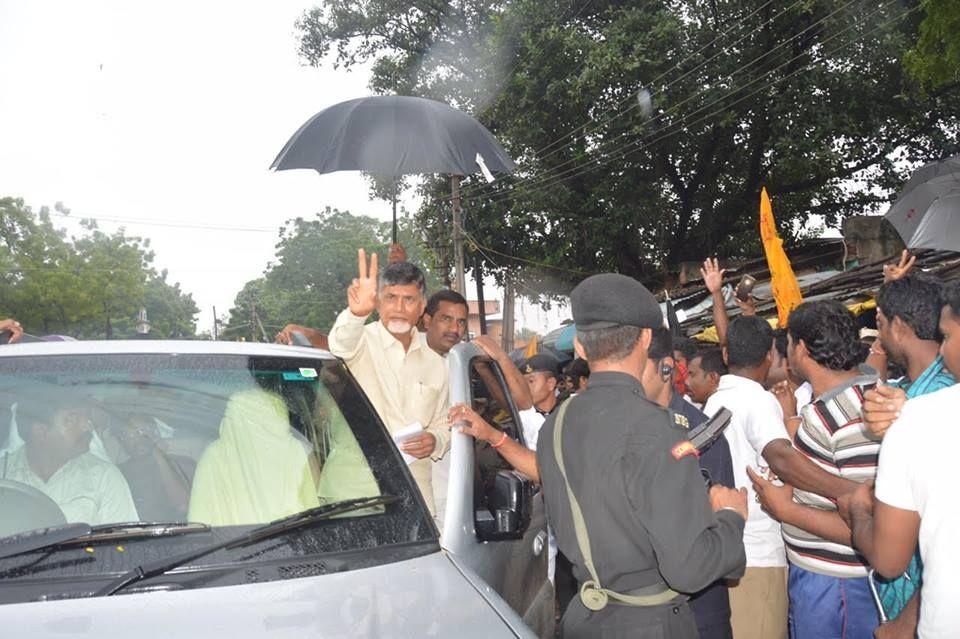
(869, 238)
(494, 326)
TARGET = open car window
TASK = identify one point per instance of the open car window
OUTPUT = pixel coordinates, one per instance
(224, 440)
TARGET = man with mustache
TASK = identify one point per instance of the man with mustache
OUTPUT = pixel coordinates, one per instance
(56, 460)
(405, 380)
(445, 321)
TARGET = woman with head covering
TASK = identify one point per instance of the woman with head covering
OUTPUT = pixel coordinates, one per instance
(257, 471)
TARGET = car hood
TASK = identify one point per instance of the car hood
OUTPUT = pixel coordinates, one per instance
(428, 596)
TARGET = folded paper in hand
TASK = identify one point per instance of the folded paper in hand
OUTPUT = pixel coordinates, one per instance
(402, 435)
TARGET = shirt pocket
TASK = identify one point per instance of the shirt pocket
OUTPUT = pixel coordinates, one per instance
(427, 398)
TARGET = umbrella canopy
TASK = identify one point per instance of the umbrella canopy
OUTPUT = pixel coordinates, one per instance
(561, 339)
(393, 135)
(927, 211)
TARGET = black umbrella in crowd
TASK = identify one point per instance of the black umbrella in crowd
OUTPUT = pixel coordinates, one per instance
(393, 136)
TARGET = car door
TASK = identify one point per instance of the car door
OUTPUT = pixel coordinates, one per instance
(510, 556)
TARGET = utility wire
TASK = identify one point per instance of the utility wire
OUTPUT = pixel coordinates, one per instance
(539, 184)
(599, 121)
(606, 145)
(165, 223)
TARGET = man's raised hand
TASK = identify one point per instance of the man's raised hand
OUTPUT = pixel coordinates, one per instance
(712, 274)
(893, 272)
(362, 294)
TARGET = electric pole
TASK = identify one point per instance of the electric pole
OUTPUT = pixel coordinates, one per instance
(459, 281)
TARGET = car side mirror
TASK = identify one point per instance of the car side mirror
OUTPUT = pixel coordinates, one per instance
(510, 501)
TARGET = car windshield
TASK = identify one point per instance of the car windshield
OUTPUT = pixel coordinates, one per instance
(224, 440)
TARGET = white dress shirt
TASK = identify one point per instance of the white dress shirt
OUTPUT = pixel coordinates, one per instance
(404, 386)
(87, 489)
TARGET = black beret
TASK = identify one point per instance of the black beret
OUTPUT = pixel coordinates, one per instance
(611, 299)
(540, 364)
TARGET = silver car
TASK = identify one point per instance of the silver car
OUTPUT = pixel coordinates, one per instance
(152, 488)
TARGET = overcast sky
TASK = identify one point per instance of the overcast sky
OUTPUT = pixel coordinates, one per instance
(169, 114)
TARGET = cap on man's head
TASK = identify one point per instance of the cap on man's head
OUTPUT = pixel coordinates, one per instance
(612, 299)
(540, 364)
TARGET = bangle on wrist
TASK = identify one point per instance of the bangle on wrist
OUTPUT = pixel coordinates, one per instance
(500, 443)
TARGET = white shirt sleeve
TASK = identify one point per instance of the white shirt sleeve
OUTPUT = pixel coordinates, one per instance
(894, 485)
(116, 503)
(346, 336)
(765, 423)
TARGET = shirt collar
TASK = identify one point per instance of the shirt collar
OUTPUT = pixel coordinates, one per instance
(389, 340)
(615, 378)
(735, 382)
(931, 372)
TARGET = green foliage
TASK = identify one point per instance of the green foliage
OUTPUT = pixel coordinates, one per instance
(316, 261)
(935, 60)
(88, 287)
(808, 99)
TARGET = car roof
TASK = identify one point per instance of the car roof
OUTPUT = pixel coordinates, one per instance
(159, 346)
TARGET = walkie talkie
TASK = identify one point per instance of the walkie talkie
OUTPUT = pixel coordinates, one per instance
(703, 436)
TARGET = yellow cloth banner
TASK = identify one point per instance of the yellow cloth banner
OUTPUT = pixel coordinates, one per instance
(532, 348)
(786, 291)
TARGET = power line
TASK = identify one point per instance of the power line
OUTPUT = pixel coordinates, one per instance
(540, 184)
(675, 67)
(165, 223)
(480, 247)
(604, 146)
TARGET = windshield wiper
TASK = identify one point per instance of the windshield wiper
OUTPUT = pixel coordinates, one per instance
(274, 528)
(41, 538)
(32, 540)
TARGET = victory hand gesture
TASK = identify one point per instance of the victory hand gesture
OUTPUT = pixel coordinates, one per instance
(893, 272)
(362, 294)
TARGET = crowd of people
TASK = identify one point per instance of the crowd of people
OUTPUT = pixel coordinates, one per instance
(825, 509)
(821, 411)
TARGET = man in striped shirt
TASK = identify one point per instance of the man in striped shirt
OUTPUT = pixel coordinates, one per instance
(828, 587)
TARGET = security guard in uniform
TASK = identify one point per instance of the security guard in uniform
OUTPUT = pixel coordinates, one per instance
(625, 497)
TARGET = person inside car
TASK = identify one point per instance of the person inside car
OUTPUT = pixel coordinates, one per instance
(257, 470)
(56, 459)
(160, 482)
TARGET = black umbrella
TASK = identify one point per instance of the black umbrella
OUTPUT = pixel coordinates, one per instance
(394, 135)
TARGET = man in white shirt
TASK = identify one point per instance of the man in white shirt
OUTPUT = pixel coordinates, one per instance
(915, 495)
(758, 602)
(55, 459)
(404, 379)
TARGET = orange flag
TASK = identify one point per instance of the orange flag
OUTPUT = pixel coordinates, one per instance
(532, 348)
(786, 291)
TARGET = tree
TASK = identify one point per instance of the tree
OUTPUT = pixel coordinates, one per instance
(935, 60)
(810, 100)
(90, 286)
(316, 262)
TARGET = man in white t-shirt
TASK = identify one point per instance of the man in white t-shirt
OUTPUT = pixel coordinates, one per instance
(758, 602)
(915, 495)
